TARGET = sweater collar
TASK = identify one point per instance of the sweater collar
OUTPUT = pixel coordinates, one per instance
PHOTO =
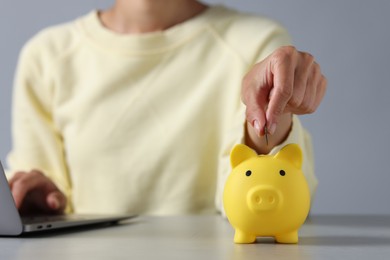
(147, 43)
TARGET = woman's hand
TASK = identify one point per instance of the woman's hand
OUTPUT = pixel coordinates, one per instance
(286, 82)
(34, 193)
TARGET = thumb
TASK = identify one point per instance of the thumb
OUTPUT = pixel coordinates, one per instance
(56, 201)
(256, 117)
(256, 100)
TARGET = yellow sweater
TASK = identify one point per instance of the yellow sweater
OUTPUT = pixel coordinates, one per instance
(140, 123)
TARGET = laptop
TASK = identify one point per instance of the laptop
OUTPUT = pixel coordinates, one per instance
(12, 224)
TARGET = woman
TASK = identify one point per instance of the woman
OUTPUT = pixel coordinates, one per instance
(135, 108)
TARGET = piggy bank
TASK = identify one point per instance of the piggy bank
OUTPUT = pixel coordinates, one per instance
(266, 195)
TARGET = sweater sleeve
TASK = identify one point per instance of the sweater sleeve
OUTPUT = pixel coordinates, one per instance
(37, 144)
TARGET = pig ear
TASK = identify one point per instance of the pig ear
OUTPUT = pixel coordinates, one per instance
(291, 153)
(241, 153)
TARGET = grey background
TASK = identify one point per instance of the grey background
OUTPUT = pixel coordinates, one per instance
(350, 39)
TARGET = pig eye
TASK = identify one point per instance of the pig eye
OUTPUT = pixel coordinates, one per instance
(282, 173)
(248, 173)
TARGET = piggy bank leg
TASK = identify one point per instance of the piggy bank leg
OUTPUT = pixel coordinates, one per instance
(243, 238)
(287, 238)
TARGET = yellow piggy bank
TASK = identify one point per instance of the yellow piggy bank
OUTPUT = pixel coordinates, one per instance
(266, 195)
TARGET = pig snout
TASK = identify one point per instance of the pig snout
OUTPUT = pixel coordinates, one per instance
(263, 198)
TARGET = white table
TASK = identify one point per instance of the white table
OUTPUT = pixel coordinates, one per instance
(206, 237)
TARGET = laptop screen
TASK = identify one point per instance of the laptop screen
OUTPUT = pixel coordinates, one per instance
(10, 222)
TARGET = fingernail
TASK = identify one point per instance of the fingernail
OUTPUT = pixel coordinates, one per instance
(55, 204)
(271, 129)
(256, 125)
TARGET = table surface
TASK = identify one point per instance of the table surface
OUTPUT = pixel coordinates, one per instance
(206, 237)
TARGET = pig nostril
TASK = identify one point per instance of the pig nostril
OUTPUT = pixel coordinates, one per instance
(259, 199)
